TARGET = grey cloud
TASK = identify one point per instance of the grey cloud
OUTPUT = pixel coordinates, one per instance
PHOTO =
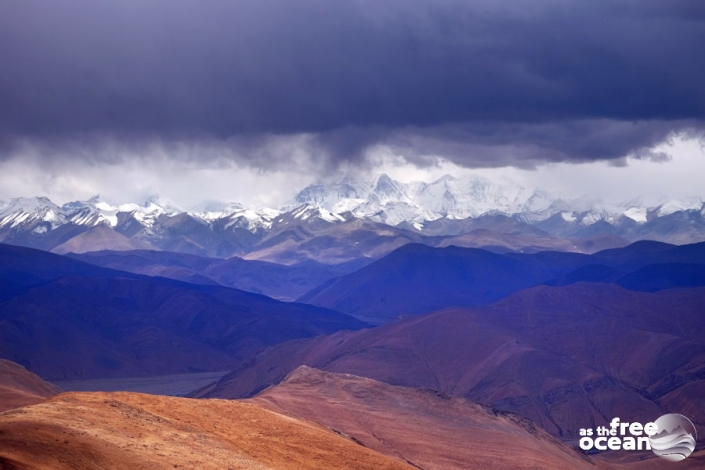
(494, 144)
(483, 83)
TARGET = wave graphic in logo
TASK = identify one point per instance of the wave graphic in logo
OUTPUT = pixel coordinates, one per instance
(676, 437)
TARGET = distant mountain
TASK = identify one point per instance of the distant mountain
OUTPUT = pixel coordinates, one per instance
(324, 212)
(274, 280)
(417, 279)
(388, 201)
(650, 278)
(645, 223)
(23, 268)
(564, 357)
(99, 238)
(96, 211)
(65, 319)
(655, 277)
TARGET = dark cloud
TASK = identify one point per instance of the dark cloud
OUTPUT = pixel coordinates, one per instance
(529, 144)
(483, 82)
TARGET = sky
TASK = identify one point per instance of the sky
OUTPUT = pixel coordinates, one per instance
(252, 100)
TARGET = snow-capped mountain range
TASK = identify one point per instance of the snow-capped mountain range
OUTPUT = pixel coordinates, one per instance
(438, 208)
(391, 202)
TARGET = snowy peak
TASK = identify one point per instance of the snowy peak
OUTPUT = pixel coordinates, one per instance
(331, 192)
(311, 212)
(252, 220)
(97, 211)
(637, 214)
(389, 201)
(670, 207)
(37, 213)
(27, 205)
(76, 205)
(387, 190)
(343, 197)
(94, 211)
(163, 205)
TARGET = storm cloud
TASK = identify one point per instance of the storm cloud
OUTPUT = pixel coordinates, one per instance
(481, 83)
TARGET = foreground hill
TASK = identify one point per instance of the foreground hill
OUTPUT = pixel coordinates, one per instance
(565, 357)
(424, 428)
(135, 431)
(418, 279)
(19, 387)
(64, 319)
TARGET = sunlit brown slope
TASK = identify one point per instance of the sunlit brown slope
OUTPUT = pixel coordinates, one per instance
(19, 387)
(101, 237)
(422, 427)
(135, 431)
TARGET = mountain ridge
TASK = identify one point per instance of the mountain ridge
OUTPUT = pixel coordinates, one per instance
(564, 357)
(417, 211)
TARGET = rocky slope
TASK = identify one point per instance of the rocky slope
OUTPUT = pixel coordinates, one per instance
(564, 357)
(424, 428)
(128, 430)
(19, 387)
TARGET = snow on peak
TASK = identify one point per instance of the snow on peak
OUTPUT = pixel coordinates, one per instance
(96, 210)
(637, 214)
(670, 207)
(389, 201)
(76, 205)
(308, 211)
(210, 211)
(568, 216)
(164, 205)
(328, 193)
(249, 219)
(335, 199)
(30, 212)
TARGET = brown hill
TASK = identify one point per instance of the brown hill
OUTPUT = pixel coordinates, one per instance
(19, 387)
(564, 357)
(524, 243)
(101, 237)
(135, 431)
(424, 428)
(293, 240)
